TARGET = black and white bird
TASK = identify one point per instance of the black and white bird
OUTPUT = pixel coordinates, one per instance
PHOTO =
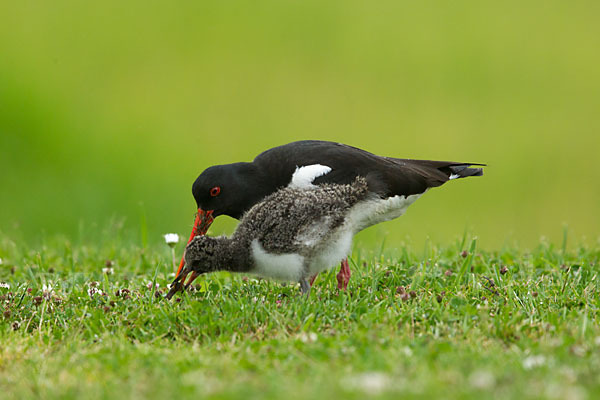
(232, 189)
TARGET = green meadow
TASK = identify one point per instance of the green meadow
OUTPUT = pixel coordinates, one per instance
(451, 322)
(487, 287)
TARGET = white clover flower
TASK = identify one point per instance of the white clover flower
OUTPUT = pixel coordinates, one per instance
(47, 291)
(171, 239)
(92, 291)
(373, 382)
(534, 361)
(4, 285)
(149, 286)
(482, 379)
(108, 270)
(308, 337)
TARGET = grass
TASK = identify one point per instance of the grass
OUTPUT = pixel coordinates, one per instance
(453, 322)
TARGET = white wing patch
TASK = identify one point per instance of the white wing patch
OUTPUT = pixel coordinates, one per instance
(454, 176)
(304, 176)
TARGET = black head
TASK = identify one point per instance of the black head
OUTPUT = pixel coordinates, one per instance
(229, 189)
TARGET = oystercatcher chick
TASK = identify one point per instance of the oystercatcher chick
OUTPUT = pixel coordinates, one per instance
(293, 234)
(232, 189)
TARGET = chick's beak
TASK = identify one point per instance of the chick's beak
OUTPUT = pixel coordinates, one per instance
(203, 221)
(179, 282)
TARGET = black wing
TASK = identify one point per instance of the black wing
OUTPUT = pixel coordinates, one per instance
(399, 176)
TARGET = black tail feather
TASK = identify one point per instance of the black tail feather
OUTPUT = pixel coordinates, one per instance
(464, 171)
(376, 184)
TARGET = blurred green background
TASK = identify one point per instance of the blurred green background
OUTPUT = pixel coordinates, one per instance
(109, 110)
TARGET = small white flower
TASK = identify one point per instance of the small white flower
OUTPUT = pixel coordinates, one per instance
(4, 285)
(534, 361)
(482, 379)
(92, 291)
(373, 383)
(149, 286)
(47, 291)
(308, 337)
(171, 239)
(108, 270)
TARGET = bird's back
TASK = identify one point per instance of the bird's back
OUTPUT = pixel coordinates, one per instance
(401, 176)
(294, 220)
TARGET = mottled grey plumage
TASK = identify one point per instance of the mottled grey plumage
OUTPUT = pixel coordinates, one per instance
(289, 221)
(285, 215)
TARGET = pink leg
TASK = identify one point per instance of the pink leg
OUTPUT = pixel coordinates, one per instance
(343, 277)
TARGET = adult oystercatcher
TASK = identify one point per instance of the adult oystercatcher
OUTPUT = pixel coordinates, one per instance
(232, 189)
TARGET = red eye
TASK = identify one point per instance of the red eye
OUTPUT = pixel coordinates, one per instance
(214, 192)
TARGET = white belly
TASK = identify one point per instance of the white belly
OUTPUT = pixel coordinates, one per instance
(285, 267)
(374, 211)
(331, 253)
(294, 267)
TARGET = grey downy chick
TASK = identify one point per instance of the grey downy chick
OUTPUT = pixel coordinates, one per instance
(291, 235)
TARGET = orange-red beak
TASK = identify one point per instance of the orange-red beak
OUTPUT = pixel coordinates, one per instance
(201, 225)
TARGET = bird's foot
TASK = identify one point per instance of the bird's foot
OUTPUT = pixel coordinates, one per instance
(304, 287)
(343, 277)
